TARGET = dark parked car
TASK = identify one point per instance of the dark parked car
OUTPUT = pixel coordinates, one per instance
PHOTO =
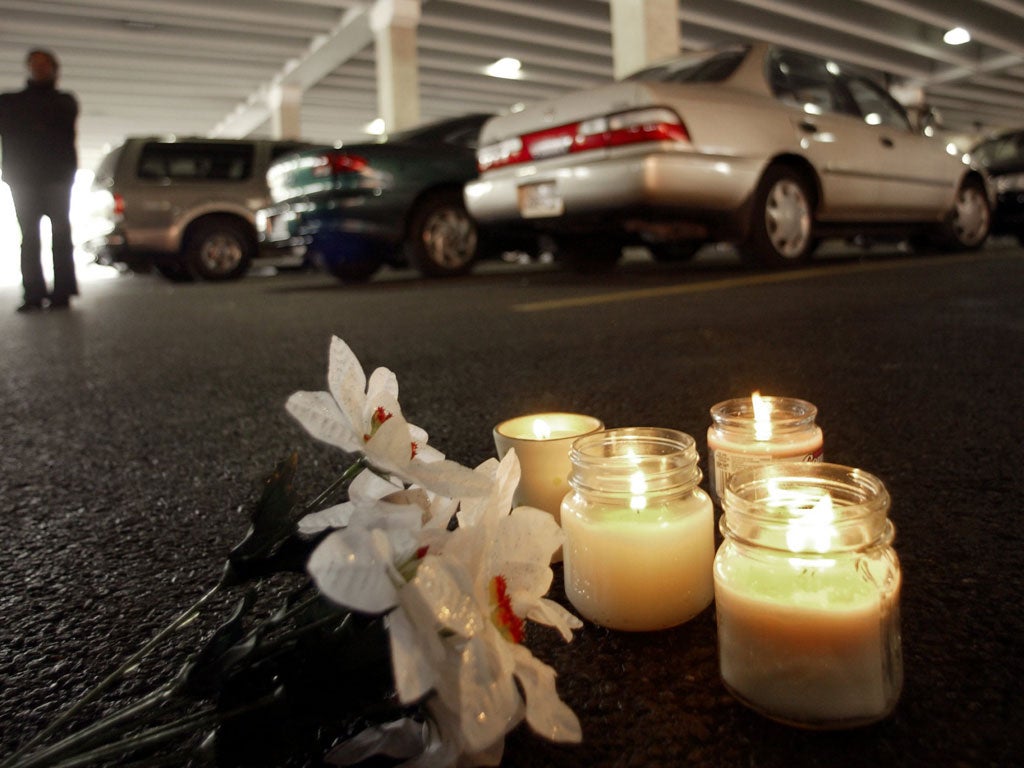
(397, 201)
(1003, 157)
(186, 206)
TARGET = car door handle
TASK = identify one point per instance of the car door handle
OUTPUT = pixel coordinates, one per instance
(887, 142)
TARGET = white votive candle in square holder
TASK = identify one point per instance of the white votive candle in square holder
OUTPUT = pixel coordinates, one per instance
(542, 442)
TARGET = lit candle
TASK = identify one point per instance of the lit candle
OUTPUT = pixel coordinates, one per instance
(807, 595)
(639, 532)
(747, 432)
(542, 442)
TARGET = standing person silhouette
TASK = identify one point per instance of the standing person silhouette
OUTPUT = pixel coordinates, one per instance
(37, 128)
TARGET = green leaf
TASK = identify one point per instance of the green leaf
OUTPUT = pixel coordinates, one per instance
(274, 519)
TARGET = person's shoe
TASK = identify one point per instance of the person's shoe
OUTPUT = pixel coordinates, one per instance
(60, 303)
(30, 306)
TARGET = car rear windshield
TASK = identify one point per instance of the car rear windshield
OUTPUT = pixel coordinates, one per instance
(705, 67)
(196, 161)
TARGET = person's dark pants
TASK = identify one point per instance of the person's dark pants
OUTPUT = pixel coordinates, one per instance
(31, 203)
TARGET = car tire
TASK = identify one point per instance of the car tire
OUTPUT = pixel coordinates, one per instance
(967, 226)
(175, 271)
(442, 239)
(781, 228)
(675, 252)
(354, 271)
(588, 254)
(219, 249)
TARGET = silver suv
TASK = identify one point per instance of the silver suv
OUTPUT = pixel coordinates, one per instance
(184, 206)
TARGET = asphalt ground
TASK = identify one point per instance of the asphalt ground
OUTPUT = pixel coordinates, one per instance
(136, 425)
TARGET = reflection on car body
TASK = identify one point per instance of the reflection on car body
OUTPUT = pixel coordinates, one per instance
(769, 148)
(397, 201)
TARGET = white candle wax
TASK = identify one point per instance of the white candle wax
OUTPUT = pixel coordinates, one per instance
(804, 643)
(640, 570)
(543, 454)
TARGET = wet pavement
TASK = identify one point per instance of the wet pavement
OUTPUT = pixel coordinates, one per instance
(135, 426)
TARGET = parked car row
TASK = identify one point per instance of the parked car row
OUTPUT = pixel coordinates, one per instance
(768, 148)
(186, 207)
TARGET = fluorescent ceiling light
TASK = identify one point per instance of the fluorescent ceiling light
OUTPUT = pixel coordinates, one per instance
(956, 36)
(509, 68)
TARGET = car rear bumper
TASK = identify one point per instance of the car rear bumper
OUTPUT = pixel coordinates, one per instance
(664, 185)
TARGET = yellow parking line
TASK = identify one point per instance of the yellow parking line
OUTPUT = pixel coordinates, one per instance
(736, 282)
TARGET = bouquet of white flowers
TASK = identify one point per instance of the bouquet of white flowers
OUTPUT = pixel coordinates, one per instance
(401, 633)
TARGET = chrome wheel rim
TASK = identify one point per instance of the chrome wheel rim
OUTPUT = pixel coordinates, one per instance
(449, 238)
(220, 254)
(971, 216)
(787, 216)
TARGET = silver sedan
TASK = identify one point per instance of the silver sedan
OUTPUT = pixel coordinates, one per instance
(768, 148)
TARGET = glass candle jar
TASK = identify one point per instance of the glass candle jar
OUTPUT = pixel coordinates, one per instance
(807, 592)
(756, 430)
(639, 533)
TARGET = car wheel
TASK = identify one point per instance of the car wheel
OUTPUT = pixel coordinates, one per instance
(219, 249)
(782, 224)
(174, 271)
(358, 271)
(682, 250)
(967, 226)
(588, 254)
(442, 239)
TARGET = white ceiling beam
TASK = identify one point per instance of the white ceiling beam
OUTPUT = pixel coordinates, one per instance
(326, 53)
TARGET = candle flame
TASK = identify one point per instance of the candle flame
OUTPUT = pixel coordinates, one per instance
(812, 528)
(638, 489)
(541, 430)
(762, 417)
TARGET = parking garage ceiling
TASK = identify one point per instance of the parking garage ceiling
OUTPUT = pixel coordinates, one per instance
(192, 67)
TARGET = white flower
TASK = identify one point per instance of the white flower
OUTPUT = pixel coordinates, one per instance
(361, 416)
(457, 603)
(477, 592)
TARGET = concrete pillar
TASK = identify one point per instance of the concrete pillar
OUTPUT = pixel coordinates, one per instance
(394, 24)
(285, 102)
(643, 32)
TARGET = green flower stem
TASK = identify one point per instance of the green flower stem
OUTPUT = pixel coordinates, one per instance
(183, 619)
(346, 477)
(95, 731)
(185, 726)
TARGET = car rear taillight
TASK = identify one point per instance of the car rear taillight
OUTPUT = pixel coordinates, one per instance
(118, 207)
(333, 163)
(655, 124)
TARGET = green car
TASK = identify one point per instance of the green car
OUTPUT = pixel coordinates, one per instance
(397, 201)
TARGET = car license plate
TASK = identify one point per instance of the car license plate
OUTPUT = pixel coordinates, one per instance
(540, 200)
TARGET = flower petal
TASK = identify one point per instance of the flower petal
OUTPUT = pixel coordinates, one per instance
(337, 516)
(416, 650)
(447, 478)
(488, 699)
(321, 417)
(551, 613)
(527, 535)
(448, 592)
(349, 568)
(546, 713)
(382, 390)
(346, 382)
